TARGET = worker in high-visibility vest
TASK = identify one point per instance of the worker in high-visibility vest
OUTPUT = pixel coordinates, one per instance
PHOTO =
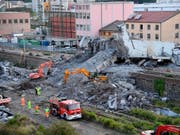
(29, 104)
(47, 112)
(38, 91)
(36, 108)
(22, 101)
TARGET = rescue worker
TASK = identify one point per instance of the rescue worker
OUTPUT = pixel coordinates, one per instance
(29, 104)
(47, 112)
(38, 91)
(22, 101)
(36, 108)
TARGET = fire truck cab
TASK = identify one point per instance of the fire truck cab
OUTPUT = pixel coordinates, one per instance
(65, 108)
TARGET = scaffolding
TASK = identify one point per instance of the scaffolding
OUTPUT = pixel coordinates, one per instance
(62, 24)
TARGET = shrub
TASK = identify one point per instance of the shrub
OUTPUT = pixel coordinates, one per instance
(89, 115)
(60, 128)
(144, 114)
(165, 119)
(143, 125)
(159, 86)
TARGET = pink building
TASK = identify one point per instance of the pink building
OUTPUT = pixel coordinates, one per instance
(90, 17)
(14, 22)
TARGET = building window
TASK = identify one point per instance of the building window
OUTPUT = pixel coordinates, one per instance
(141, 35)
(15, 21)
(177, 35)
(77, 27)
(4, 21)
(81, 27)
(88, 15)
(148, 36)
(157, 37)
(0, 21)
(127, 26)
(132, 26)
(88, 27)
(21, 21)
(141, 27)
(132, 34)
(84, 15)
(9, 21)
(148, 27)
(84, 27)
(80, 15)
(76, 15)
(87, 7)
(157, 27)
(26, 21)
(176, 26)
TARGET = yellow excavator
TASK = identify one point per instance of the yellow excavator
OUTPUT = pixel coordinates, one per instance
(89, 75)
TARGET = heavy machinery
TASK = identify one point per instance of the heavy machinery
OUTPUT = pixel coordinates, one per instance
(163, 130)
(89, 75)
(4, 100)
(42, 71)
(65, 108)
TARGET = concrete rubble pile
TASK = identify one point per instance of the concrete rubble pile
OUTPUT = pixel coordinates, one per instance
(5, 115)
(100, 61)
(119, 87)
(8, 72)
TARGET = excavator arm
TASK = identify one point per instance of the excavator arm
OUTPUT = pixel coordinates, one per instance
(84, 72)
(43, 70)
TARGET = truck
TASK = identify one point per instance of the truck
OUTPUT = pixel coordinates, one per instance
(68, 109)
(4, 100)
(163, 130)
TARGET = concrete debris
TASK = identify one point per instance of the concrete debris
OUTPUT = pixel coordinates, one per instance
(8, 72)
(100, 61)
(165, 112)
(5, 115)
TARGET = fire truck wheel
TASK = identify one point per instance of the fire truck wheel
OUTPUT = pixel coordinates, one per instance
(64, 116)
(54, 112)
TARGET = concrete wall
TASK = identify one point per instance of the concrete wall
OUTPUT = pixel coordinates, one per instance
(145, 81)
(16, 58)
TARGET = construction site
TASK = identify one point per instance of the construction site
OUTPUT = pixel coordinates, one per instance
(100, 76)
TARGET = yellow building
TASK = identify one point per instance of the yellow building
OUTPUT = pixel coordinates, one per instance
(155, 25)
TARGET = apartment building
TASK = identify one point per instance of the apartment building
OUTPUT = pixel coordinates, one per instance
(14, 22)
(157, 25)
(91, 17)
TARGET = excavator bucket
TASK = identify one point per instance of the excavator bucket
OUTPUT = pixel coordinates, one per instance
(102, 78)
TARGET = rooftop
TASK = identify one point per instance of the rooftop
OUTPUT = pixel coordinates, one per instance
(112, 26)
(151, 16)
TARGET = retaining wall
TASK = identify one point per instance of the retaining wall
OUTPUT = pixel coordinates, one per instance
(145, 81)
(17, 58)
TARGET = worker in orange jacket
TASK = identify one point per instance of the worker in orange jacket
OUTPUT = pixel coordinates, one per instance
(23, 101)
(36, 108)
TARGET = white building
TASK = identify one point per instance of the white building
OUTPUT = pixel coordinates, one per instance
(167, 1)
(157, 6)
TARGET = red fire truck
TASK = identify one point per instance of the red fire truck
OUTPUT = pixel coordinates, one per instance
(65, 108)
